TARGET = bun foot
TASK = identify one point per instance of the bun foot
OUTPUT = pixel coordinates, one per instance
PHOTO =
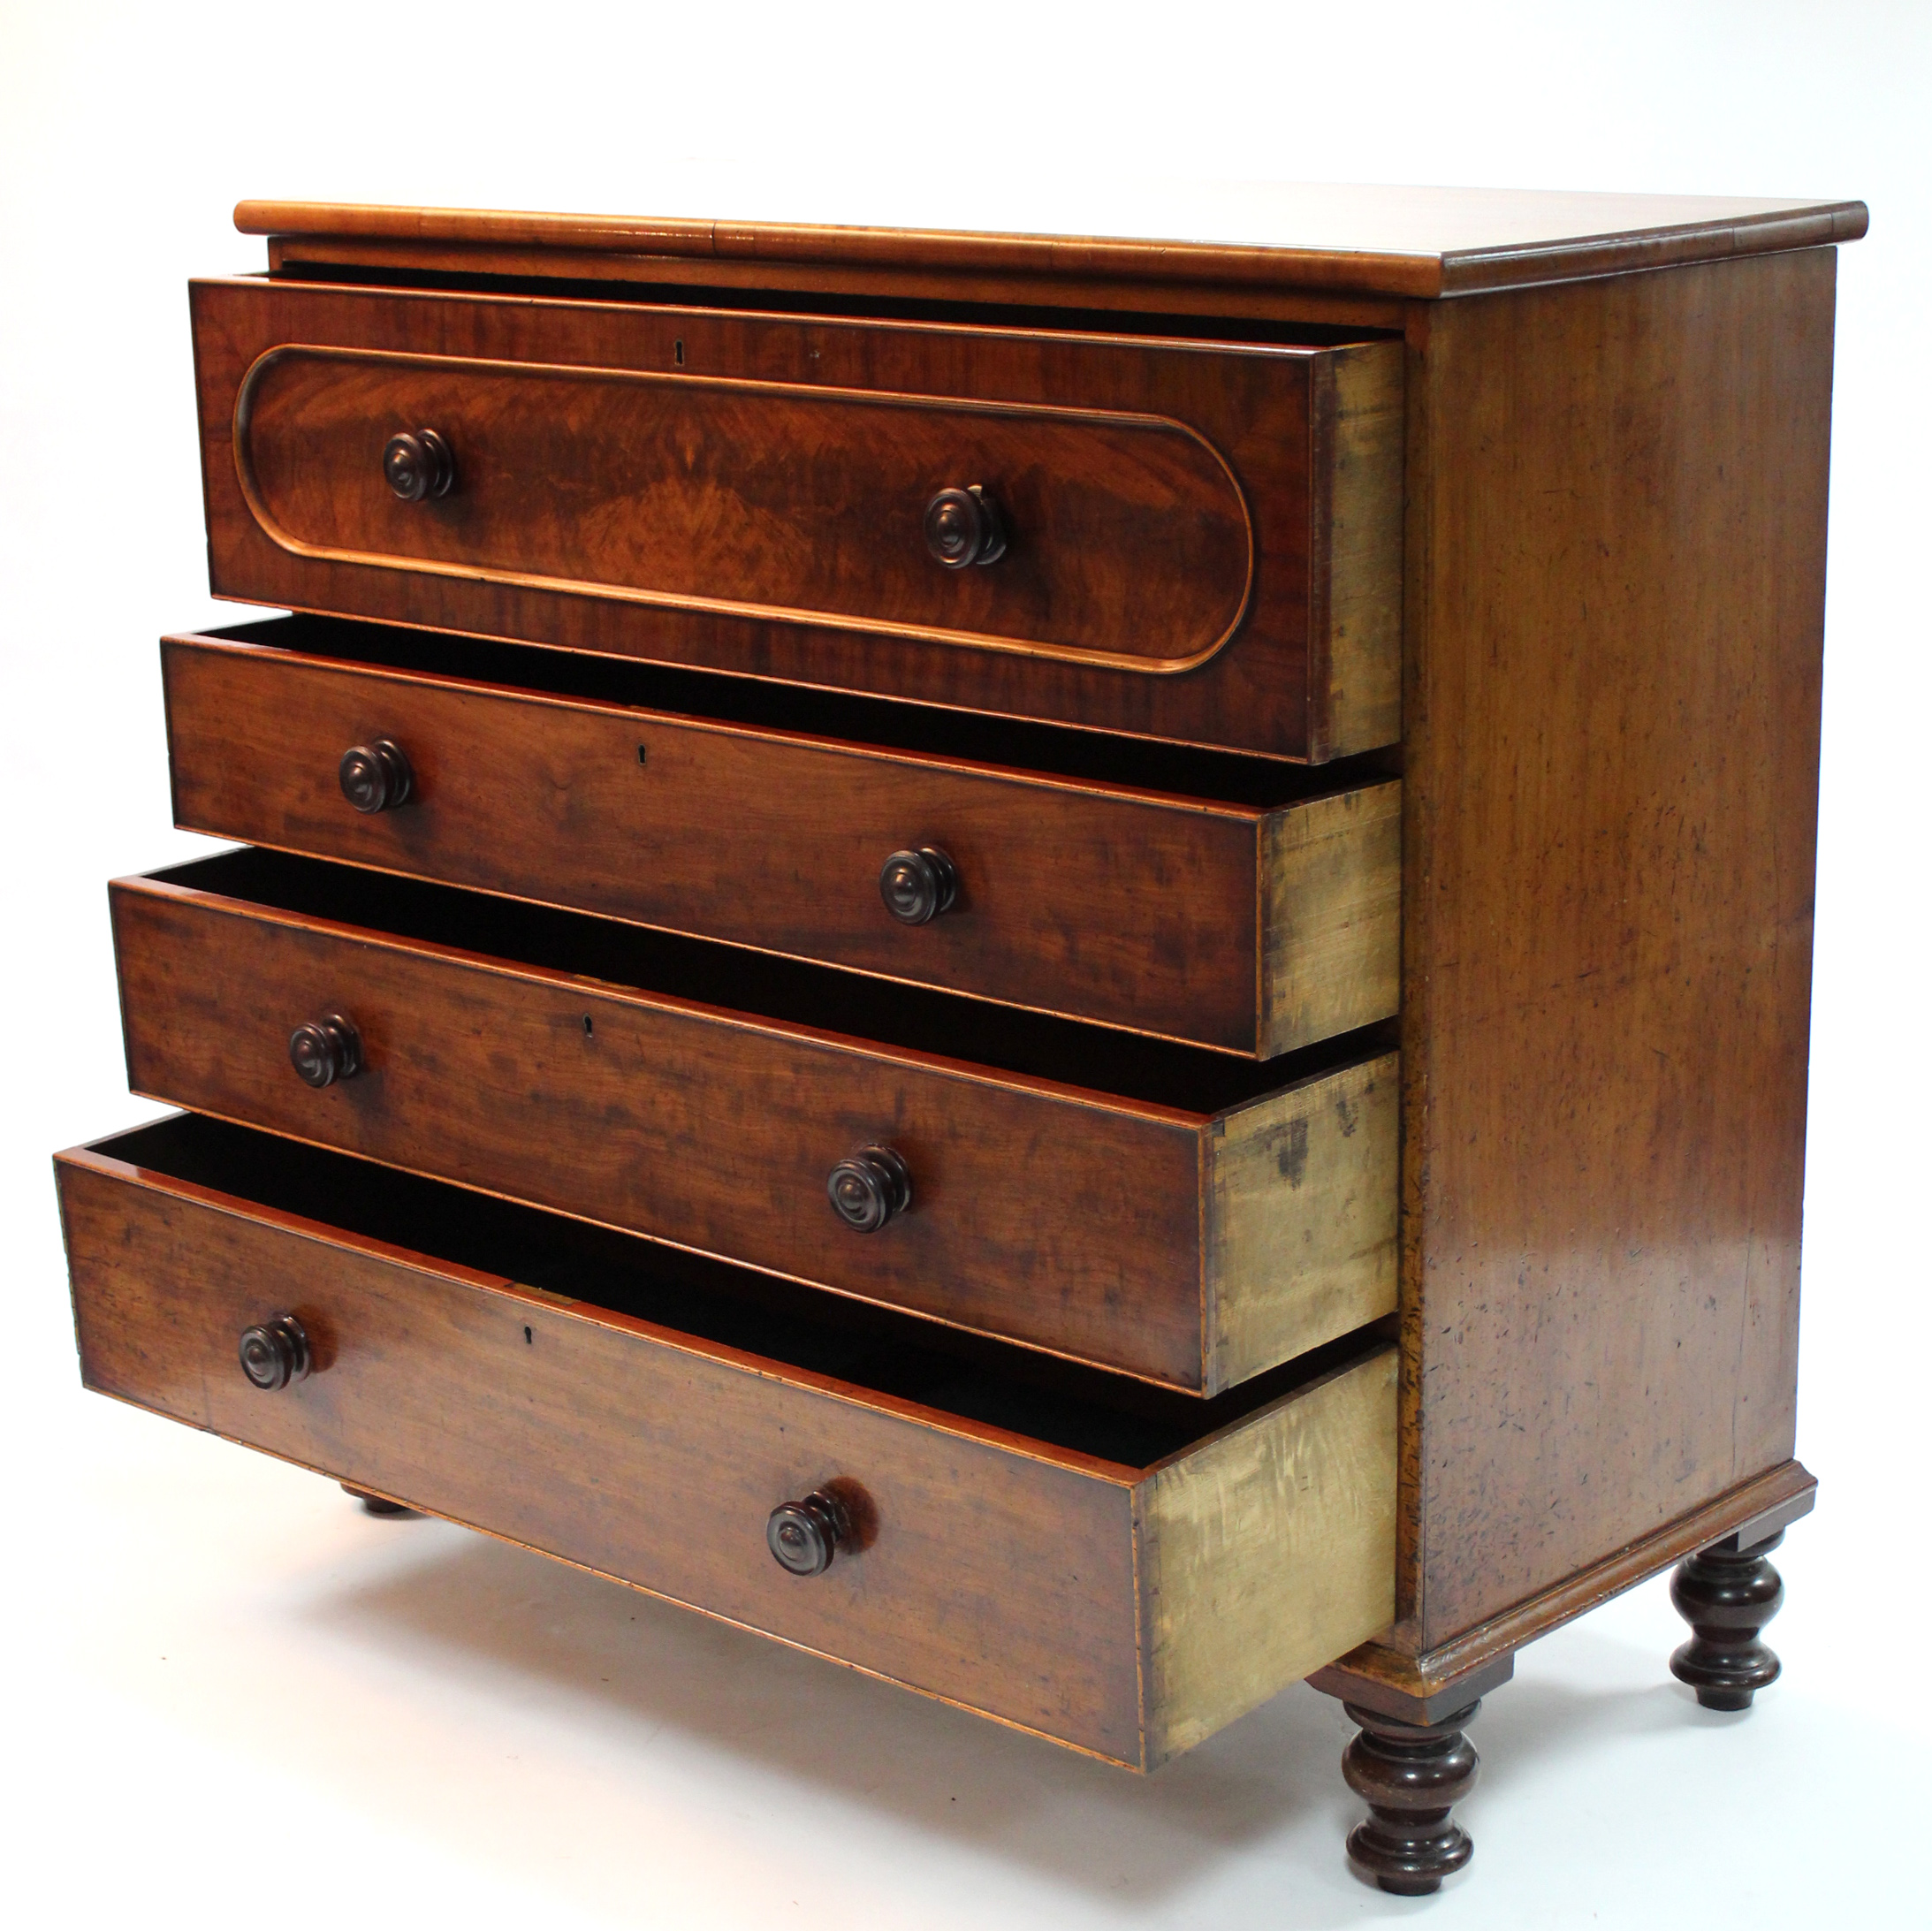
(376, 1505)
(1410, 1775)
(1727, 1595)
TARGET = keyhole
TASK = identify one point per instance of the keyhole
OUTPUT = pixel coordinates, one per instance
(677, 352)
(587, 1025)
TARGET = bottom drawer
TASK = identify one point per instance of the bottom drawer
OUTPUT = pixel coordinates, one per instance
(1119, 1568)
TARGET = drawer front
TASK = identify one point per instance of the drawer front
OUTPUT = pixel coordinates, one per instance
(1123, 538)
(1199, 541)
(995, 1572)
(1125, 1233)
(1071, 897)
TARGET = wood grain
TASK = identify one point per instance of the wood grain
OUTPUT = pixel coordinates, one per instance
(1261, 1547)
(1331, 915)
(1421, 1687)
(1615, 582)
(1359, 561)
(1000, 1579)
(1098, 900)
(1405, 241)
(967, 295)
(1070, 1220)
(1128, 541)
(996, 1572)
(1252, 403)
(1601, 449)
(1301, 1218)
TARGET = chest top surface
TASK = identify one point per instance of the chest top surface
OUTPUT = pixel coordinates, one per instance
(1373, 241)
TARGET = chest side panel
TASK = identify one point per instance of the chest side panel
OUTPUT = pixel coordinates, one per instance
(1616, 575)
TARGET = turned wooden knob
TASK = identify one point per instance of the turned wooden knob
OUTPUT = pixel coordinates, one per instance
(419, 466)
(376, 777)
(964, 527)
(328, 1049)
(805, 1535)
(868, 1188)
(276, 1353)
(918, 886)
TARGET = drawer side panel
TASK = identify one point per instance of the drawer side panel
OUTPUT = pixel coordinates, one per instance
(1358, 553)
(1302, 1204)
(1331, 916)
(1267, 1552)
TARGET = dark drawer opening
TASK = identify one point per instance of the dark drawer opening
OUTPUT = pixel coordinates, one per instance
(846, 305)
(881, 723)
(1060, 1403)
(1034, 1044)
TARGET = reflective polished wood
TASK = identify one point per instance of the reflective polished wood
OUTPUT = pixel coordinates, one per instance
(1104, 942)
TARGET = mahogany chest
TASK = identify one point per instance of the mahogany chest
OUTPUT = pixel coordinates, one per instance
(1076, 968)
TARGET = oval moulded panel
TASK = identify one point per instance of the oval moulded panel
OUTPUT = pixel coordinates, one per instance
(1130, 543)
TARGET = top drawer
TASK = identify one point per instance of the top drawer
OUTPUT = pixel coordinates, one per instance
(1192, 541)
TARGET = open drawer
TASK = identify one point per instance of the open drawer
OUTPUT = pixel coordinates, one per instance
(1200, 541)
(1174, 1213)
(1119, 1568)
(1246, 906)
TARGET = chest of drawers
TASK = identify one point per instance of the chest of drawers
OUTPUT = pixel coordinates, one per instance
(1076, 969)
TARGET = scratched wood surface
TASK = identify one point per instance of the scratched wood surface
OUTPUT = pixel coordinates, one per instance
(1616, 582)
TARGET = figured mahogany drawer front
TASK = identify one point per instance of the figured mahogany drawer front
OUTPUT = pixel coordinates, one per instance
(1048, 525)
(1237, 927)
(1128, 1609)
(1194, 1244)
(1118, 537)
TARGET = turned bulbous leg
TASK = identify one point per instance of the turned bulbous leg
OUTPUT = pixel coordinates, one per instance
(1410, 1775)
(1727, 1594)
(376, 1505)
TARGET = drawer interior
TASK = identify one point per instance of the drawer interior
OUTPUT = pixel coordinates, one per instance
(1058, 1403)
(1102, 1059)
(1015, 744)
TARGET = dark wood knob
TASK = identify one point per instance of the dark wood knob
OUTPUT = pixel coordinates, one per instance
(868, 1188)
(325, 1051)
(805, 1535)
(376, 777)
(276, 1353)
(419, 466)
(918, 886)
(963, 526)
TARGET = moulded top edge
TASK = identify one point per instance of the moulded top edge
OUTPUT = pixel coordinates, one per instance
(1401, 241)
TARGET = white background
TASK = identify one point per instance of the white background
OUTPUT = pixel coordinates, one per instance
(233, 1699)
